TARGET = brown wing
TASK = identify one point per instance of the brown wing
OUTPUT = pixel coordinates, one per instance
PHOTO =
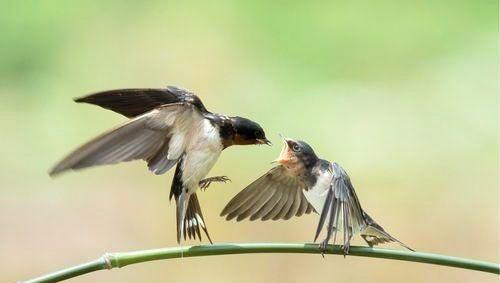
(136, 101)
(275, 195)
(157, 136)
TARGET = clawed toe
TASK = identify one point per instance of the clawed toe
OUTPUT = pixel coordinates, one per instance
(222, 179)
(205, 183)
(323, 248)
(345, 249)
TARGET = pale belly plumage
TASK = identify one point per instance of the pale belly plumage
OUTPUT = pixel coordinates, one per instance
(316, 195)
(203, 151)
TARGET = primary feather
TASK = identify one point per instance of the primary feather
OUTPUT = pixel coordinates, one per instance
(148, 137)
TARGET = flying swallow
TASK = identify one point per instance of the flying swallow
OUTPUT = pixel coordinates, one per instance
(167, 127)
(301, 183)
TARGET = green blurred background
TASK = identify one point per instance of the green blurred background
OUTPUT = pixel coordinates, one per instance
(403, 94)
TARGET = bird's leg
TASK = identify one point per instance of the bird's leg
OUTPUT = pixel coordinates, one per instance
(347, 243)
(345, 247)
(323, 247)
(205, 183)
(324, 243)
(329, 231)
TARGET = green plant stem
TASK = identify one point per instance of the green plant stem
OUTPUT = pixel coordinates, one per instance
(117, 260)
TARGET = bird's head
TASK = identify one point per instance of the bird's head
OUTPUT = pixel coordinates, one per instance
(296, 155)
(247, 132)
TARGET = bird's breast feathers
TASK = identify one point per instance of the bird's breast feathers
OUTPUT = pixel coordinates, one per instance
(316, 195)
(203, 150)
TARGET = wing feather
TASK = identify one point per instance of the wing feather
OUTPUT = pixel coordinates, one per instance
(275, 195)
(295, 205)
(341, 208)
(144, 137)
(244, 198)
(251, 201)
(288, 204)
(266, 208)
(304, 206)
(263, 198)
(133, 102)
(277, 208)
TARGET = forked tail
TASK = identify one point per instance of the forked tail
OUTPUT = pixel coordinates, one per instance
(190, 218)
(374, 234)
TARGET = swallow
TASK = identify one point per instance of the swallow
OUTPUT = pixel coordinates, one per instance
(301, 183)
(166, 127)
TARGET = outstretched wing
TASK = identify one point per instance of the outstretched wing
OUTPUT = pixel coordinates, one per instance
(137, 101)
(158, 136)
(341, 208)
(275, 195)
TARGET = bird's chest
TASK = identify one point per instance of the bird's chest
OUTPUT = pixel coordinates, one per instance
(316, 195)
(201, 154)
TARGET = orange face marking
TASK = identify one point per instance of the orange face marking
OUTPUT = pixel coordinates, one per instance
(238, 140)
(289, 160)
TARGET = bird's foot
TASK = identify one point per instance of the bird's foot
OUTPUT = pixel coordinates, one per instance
(323, 247)
(345, 248)
(205, 183)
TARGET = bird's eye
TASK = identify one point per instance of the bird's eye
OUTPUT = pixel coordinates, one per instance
(258, 134)
(296, 148)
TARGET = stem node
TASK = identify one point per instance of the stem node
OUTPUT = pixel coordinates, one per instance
(107, 259)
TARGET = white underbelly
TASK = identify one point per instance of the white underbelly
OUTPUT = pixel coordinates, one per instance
(197, 164)
(201, 155)
(316, 195)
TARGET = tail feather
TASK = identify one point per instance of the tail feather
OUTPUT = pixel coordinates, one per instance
(374, 234)
(196, 213)
(182, 205)
(382, 238)
(190, 222)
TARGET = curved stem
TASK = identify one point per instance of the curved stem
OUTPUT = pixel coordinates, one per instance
(117, 260)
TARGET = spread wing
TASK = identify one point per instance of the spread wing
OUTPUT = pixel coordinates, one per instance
(134, 102)
(158, 136)
(341, 208)
(275, 195)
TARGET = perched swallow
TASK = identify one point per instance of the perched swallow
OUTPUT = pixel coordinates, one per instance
(167, 127)
(301, 183)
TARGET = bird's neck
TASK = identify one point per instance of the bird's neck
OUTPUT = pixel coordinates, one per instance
(226, 130)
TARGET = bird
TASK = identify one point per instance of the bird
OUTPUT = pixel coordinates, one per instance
(166, 127)
(302, 183)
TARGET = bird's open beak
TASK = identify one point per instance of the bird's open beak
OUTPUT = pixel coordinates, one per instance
(284, 156)
(264, 141)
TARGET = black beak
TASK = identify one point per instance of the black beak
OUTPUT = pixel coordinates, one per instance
(264, 141)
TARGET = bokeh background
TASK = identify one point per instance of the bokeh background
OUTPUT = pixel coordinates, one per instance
(403, 94)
